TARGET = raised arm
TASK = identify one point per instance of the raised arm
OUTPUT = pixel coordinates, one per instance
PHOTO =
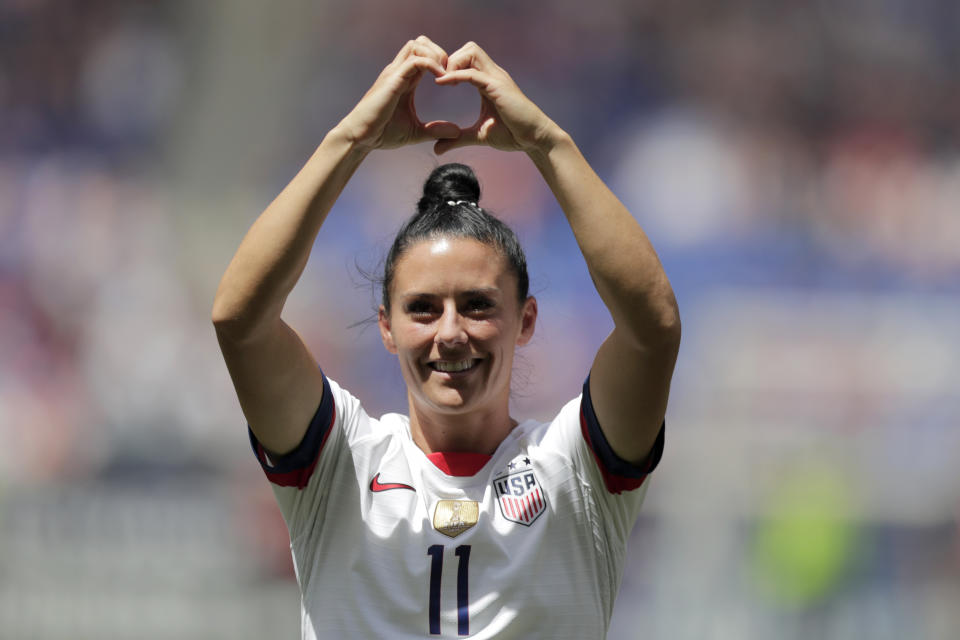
(630, 378)
(276, 378)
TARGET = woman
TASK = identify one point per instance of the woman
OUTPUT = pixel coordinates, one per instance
(455, 520)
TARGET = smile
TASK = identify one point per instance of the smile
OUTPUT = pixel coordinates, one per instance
(457, 366)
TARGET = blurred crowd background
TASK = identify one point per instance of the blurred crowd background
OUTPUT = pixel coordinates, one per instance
(796, 164)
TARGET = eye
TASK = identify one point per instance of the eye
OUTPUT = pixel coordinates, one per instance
(479, 305)
(419, 309)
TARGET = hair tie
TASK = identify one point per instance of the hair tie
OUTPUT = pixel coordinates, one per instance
(453, 204)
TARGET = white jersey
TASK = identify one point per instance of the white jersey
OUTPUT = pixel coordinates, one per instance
(391, 543)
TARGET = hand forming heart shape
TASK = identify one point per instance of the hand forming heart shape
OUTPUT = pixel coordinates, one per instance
(386, 115)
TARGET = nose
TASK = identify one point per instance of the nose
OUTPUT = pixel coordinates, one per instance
(450, 329)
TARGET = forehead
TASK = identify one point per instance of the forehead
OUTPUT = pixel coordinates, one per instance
(449, 264)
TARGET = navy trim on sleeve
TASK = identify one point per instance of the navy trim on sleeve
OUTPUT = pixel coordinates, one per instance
(295, 468)
(611, 465)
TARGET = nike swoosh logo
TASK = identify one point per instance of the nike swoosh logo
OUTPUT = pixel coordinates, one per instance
(376, 486)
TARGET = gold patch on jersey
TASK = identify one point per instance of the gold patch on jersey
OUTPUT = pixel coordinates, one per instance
(453, 517)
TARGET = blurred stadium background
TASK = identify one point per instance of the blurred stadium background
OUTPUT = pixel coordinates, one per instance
(797, 165)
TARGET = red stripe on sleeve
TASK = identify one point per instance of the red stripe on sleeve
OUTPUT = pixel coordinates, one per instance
(614, 483)
(298, 477)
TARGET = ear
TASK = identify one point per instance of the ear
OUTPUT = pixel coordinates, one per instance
(383, 321)
(528, 321)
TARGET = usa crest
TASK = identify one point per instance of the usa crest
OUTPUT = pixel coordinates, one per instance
(520, 497)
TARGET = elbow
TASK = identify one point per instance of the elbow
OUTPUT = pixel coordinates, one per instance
(674, 334)
(666, 313)
(657, 328)
(240, 314)
(220, 316)
(666, 330)
(670, 317)
(230, 322)
(226, 322)
(226, 307)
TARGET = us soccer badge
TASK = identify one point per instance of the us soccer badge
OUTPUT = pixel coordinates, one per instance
(519, 494)
(453, 517)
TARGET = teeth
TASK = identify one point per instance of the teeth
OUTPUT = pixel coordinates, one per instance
(451, 367)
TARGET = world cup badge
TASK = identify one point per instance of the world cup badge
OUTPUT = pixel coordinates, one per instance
(453, 517)
(520, 497)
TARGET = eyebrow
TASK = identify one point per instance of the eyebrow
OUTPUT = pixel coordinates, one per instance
(485, 291)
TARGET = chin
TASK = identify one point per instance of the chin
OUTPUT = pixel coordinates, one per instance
(450, 401)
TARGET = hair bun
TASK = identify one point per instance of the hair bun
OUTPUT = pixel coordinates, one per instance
(453, 181)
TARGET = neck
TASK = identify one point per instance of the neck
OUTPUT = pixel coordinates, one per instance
(479, 431)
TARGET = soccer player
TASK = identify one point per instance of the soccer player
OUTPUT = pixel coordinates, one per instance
(456, 519)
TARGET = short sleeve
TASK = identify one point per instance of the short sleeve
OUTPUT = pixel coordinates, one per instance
(303, 480)
(295, 468)
(618, 474)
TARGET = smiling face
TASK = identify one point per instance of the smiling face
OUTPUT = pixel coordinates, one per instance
(454, 323)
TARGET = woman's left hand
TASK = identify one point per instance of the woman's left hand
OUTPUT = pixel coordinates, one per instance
(508, 119)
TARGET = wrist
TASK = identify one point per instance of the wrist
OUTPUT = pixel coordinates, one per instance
(341, 139)
(550, 139)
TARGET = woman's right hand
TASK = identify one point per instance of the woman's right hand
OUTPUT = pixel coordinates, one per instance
(385, 117)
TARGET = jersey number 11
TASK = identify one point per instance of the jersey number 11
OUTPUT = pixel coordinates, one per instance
(463, 601)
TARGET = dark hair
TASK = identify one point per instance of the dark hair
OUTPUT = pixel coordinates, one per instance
(449, 207)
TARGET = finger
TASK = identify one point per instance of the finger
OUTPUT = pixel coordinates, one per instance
(469, 56)
(466, 137)
(485, 85)
(477, 78)
(404, 51)
(424, 48)
(435, 130)
(441, 55)
(418, 64)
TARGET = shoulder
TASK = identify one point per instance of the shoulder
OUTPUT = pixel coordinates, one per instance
(575, 432)
(558, 433)
(349, 407)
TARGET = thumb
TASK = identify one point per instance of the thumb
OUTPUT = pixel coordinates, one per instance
(465, 137)
(441, 130)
